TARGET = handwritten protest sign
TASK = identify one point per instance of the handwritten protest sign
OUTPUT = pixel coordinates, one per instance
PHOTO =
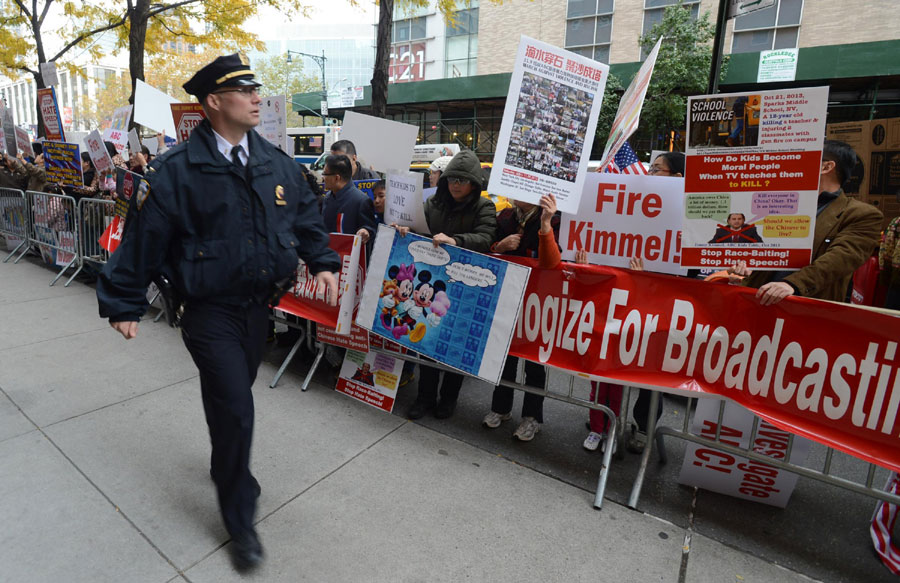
(403, 201)
(98, 153)
(23, 141)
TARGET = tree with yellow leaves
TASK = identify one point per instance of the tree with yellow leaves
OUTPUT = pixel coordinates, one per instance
(143, 26)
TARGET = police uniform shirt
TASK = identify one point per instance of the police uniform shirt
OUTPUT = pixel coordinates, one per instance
(226, 148)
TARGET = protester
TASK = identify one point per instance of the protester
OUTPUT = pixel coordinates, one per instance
(34, 173)
(223, 216)
(87, 169)
(457, 214)
(346, 209)
(847, 231)
(347, 148)
(436, 168)
(521, 231)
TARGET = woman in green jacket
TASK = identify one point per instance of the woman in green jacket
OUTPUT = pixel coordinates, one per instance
(458, 215)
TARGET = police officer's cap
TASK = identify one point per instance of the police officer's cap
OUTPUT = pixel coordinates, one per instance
(225, 71)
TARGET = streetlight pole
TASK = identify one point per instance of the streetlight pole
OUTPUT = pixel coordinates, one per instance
(320, 61)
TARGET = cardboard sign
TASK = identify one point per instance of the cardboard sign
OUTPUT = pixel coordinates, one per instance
(62, 163)
(9, 131)
(371, 378)
(752, 178)
(717, 471)
(304, 300)
(48, 74)
(273, 122)
(381, 144)
(626, 215)
(403, 203)
(53, 127)
(99, 154)
(23, 141)
(151, 109)
(186, 116)
(134, 141)
(450, 304)
(548, 125)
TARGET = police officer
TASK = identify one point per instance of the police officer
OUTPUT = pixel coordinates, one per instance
(224, 217)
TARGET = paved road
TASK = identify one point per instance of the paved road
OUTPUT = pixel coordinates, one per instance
(105, 478)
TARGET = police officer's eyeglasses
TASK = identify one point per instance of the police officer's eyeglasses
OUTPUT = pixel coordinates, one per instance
(246, 91)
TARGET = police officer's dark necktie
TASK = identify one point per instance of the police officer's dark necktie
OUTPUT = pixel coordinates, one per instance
(236, 156)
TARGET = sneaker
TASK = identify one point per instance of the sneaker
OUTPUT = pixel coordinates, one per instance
(527, 429)
(493, 420)
(636, 442)
(592, 441)
(606, 444)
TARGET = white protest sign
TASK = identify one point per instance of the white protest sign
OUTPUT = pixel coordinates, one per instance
(383, 144)
(97, 151)
(548, 125)
(134, 141)
(737, 476)
(23, 141)
(152, 109)
(629, 113)
(2, 141)
(9, 131)
(626, 215)
(403, 201)
(273, 122)
(48, 74)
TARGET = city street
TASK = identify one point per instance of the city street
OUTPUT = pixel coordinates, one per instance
(105, 458)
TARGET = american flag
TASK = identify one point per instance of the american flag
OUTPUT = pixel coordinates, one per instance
(625, 162)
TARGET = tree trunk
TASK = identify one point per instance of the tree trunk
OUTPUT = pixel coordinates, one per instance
(137, 36)
(38, 78)
(382, 58)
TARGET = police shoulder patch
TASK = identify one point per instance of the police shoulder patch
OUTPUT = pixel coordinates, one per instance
(143, 192)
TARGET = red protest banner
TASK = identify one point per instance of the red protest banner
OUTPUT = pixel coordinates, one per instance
(306, 301)
(822, 370)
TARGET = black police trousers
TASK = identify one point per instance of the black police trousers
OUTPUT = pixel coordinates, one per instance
(227, 343)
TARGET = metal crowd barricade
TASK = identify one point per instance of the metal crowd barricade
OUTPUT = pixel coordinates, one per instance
(824, 475)
(14, 219)
(95, 215)
(53, 227)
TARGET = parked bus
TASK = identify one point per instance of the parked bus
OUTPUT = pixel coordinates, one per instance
(311, 142)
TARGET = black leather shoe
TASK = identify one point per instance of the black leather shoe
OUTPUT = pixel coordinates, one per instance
(246, 551)
(445, 409)
(419, 409)
(256, 488)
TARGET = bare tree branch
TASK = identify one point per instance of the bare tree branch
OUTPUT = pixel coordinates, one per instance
(21, 6)
(82, 36)
(164, 7)
(44, 13)
(163, 24)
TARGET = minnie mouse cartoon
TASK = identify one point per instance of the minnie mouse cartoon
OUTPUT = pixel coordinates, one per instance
(395, 298)
(429, 301)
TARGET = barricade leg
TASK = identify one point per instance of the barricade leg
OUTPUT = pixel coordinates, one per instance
(645, 457)
(62, 271)
(13, 252)
(288, 358)
(320, 352)
(77, 271)
(607, 460)
(24, 251)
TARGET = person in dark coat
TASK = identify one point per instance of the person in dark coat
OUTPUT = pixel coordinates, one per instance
(223, 217)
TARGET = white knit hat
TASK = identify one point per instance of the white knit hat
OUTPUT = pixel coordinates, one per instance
(440, 164)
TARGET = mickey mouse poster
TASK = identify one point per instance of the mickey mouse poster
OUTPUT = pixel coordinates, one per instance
(447, 303)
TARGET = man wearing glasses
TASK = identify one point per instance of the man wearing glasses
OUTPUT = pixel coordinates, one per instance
(223, 217)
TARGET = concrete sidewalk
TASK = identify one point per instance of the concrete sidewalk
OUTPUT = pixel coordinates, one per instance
(105, 461)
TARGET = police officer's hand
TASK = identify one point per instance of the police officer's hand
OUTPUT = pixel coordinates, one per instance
(129, 329)
(327, 281)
